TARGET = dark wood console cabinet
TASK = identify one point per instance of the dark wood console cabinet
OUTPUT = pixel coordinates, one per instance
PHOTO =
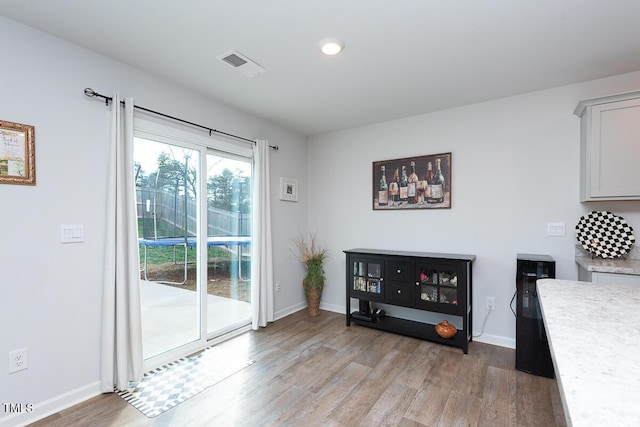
(439, 283)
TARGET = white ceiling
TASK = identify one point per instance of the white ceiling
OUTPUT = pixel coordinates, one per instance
(402, 57)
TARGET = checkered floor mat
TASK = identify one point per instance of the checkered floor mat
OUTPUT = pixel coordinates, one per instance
(168, 386)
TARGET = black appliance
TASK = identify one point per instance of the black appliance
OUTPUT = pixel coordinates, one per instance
(532, 347)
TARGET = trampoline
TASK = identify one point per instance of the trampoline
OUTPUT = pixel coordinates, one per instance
(190, 242)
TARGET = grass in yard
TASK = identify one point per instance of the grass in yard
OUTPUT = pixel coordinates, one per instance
(175, 254)
(166, 264)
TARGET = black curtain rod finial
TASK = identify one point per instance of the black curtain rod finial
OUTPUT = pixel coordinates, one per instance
(93, 94)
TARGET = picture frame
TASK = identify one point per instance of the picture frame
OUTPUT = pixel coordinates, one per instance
(17, 153)
(426, 179)
(288, 189)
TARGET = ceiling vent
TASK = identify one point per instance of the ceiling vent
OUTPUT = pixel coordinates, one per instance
(242, 64)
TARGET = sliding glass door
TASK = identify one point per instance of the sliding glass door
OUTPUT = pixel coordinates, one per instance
(229, 241)
(194, 207)
(167, 199)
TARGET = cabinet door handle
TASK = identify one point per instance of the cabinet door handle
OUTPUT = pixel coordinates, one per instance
(399, 291)
(398, 271)
(417, 283)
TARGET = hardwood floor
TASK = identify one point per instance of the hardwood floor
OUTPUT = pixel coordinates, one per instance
(318, 372)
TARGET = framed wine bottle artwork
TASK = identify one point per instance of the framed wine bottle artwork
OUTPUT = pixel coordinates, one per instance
(422, 182)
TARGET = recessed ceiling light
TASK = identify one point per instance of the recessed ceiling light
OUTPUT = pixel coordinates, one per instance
(331, 46)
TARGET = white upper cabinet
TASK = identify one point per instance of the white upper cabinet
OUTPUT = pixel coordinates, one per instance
(610, 147)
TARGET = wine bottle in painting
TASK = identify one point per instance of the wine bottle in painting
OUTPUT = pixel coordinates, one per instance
(412, 187)
(428, 178)
(421, 188)
(404, 182)
(383, 189)
(393, 187)
(437, 185)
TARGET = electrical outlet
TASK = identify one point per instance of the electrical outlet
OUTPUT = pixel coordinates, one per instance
(18, 360)
(278, 286)
(490, 303)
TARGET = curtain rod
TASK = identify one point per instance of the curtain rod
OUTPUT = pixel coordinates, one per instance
(93, 94)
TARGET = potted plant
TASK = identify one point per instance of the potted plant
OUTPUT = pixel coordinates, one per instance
(313, 258)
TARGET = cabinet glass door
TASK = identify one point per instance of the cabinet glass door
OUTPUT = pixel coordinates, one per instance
(367, 277)
(438, 285)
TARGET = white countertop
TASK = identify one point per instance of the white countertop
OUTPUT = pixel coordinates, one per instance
(619, 266)
(594, 338)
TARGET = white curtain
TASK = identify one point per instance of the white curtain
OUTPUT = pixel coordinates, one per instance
(121, 359)
(261, 253)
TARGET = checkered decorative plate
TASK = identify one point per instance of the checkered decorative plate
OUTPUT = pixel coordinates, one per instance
(604, 234)
(168, 386)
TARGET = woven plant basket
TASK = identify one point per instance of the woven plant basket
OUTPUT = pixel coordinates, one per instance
(313, 302)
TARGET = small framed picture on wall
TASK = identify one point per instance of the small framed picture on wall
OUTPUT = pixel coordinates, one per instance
(289, 189)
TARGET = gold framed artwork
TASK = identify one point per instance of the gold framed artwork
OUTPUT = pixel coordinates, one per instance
(421, 182)
(17, 153)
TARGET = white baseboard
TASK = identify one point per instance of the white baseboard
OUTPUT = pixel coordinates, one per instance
(332, 307)
(289, 310)
(496, 340)
(301, 306)
(48, 407)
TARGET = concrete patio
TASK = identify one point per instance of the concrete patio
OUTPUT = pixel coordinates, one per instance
(170, 316)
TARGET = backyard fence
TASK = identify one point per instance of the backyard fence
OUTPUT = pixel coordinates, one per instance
(163, 215)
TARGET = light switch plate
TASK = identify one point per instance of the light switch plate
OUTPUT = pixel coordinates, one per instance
(556, 229)
(71, 233)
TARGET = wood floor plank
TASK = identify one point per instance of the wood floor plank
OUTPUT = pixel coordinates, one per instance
(532, 392)
(406, 422)
(278, 409)
(348, 354)
(104, 406)
(498, 357)
(461, 409)
(428, 404)
(307, 371)
(498, 398)
(356, 406)
(471, 376)
(379, 346)
(418, 365)
(390, 407)
(556, 401)
(318, 372)
(445, 369)
(345, 384)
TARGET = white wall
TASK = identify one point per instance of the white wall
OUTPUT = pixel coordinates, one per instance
(515, 168)
(51, 292)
